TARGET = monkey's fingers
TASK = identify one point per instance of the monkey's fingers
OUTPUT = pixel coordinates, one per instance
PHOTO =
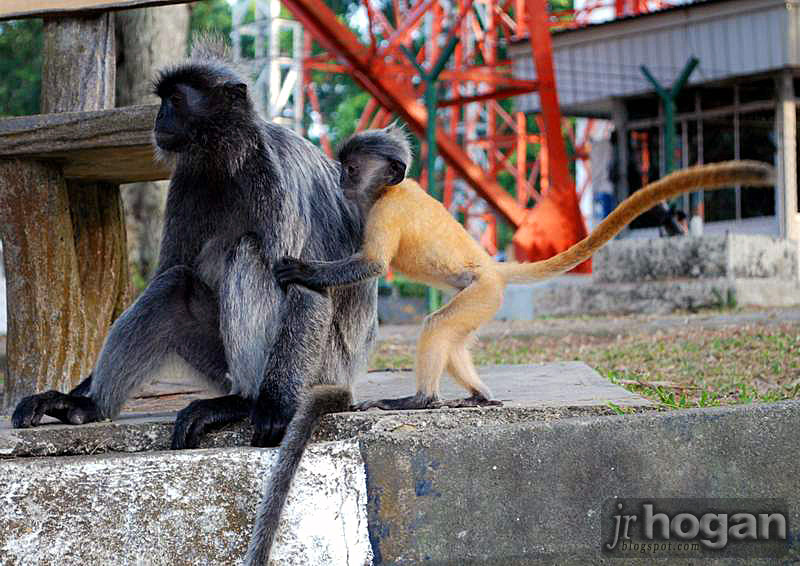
(204, 415)
(288, 274)
(472, 401)
(412, 402)
(269, 433)
(69, 409)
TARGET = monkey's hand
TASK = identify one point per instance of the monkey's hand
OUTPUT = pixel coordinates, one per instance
(270, 419)
(290, 270)
(69, 409)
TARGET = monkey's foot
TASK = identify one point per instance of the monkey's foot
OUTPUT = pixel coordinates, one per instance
(205, 415)
(270, 418)
(69, 409)
(418, 401)
(475, 400)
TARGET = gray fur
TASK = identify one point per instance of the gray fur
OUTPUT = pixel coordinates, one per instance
(243, 193)
(317, 402)
(369, 162)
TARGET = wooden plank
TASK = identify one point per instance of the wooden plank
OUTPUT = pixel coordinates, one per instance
(106, 145)
(14, 9)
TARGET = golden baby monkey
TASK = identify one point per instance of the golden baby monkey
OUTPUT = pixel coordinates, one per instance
(414, 234)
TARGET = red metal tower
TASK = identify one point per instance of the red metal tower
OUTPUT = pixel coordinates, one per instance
(477, 138)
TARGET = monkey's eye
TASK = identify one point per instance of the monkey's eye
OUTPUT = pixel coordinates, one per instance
(176, 98)
(352, 170)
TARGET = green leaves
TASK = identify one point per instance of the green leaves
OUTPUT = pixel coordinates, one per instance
(20, 67)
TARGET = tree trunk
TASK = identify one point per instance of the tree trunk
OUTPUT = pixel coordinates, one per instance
(147, 40)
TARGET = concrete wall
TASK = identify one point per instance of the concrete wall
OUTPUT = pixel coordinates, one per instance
(661, 275)
(419, 487)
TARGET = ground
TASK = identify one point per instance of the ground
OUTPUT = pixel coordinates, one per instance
(700, 359)
(681, 360)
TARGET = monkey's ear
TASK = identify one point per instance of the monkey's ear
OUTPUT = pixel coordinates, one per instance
(397, 172)
(236, 90)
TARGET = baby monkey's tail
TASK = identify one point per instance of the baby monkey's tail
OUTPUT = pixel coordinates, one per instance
(319, 400)
(707, 177)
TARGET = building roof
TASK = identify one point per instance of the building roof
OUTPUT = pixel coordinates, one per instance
(731, 38)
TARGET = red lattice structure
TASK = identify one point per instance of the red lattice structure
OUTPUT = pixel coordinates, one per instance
(477, 138)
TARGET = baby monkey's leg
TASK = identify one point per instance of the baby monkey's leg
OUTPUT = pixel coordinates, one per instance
(462, 369)
(432, 352)
(474, 306)
(443, 342)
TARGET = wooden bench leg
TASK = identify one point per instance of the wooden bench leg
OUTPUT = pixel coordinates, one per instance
(66, 259)
(46, 335)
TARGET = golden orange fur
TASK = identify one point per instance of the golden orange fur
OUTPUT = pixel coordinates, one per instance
(415, 235)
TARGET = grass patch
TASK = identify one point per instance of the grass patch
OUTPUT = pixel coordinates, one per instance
(679, 367)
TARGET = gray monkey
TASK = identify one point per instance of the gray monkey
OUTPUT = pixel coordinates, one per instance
(243, 193)
(370, 160)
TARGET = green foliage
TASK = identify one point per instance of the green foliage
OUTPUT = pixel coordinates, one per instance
(211, 16)
(20, 67)
(341, 102)
(560, 5)
(408, 288)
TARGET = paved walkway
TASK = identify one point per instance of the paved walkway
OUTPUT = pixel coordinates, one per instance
(612, 325)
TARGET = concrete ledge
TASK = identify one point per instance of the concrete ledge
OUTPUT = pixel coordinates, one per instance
(709, 256)
(532, 493)
(491, 494)
(662, 275)
(531, 392)
(576, 295)
(180, 508)
(509, 486)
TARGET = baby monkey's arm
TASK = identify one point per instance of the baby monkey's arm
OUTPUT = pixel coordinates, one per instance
(319, 275)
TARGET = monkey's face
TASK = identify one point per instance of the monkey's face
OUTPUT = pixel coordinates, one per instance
(365, 176)
(197, 116)
(173, 128)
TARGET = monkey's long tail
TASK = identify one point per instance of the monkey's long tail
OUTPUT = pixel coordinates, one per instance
(708, 177)
(320, 400)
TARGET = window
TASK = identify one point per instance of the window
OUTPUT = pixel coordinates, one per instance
(720, 131)
(644, 150)
(757, 141)
(716, 97)
(641, 108)
(719, 145)
(755, 91)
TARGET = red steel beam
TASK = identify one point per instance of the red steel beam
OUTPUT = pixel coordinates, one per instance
(326, 28)
(498, 94)
(555, 223)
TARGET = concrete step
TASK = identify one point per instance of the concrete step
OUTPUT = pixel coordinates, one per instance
(744, 256)
(530, 391)
(582, 295)
(521, 484)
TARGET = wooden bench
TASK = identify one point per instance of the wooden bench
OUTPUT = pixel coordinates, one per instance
(61, 217)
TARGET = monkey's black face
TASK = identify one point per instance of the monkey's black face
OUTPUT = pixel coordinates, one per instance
(366, 175)
(173, 128)
(198, 109)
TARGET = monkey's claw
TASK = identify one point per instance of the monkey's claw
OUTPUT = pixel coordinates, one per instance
(204, 415)
(269, 419)
(412, 402)
(69, 409)
(269, 431)
(289, 270)
(476, 400)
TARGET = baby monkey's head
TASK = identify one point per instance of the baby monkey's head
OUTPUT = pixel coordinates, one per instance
(372, 160)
